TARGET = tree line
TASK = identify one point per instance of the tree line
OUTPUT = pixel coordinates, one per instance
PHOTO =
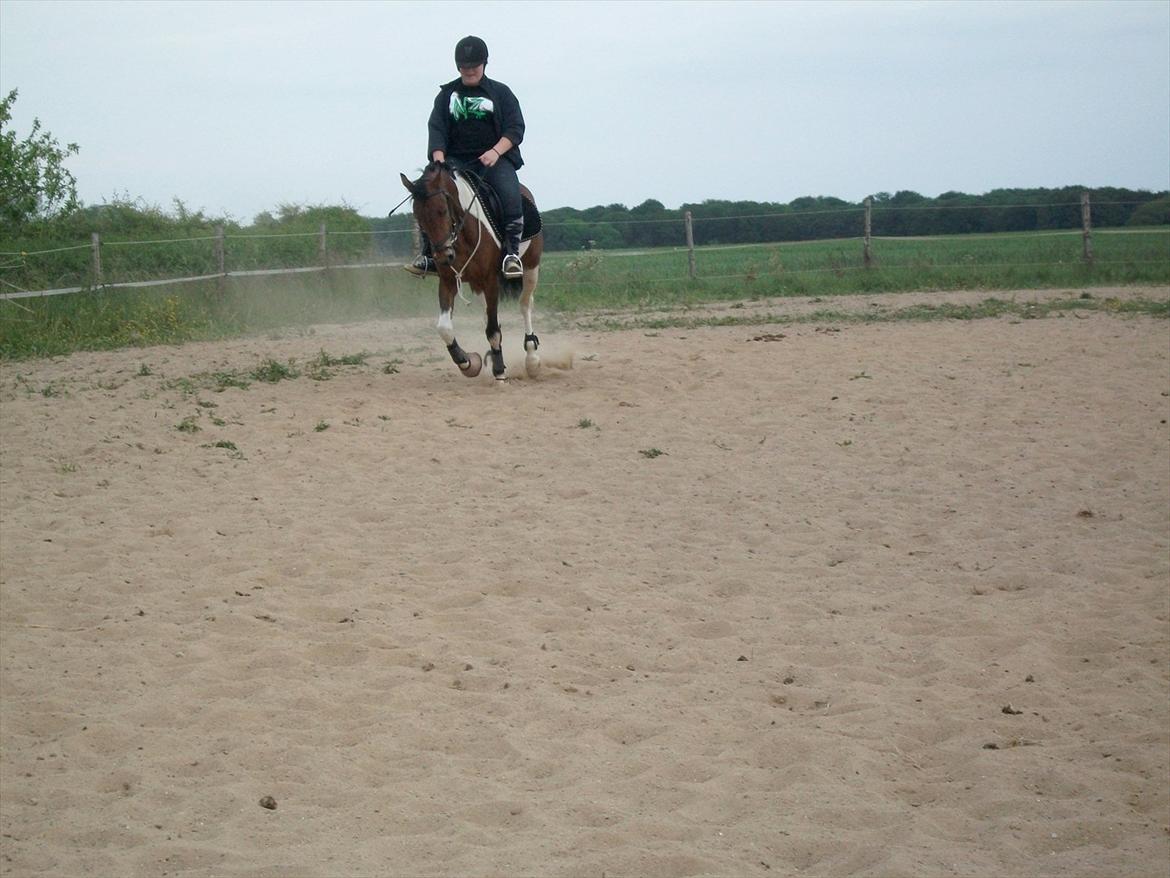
(651, 224)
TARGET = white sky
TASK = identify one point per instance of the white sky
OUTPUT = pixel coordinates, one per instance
(238, 107)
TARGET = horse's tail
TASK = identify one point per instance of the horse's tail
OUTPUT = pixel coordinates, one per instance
(511, 287)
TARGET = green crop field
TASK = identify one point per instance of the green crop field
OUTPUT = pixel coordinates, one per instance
(573, 284)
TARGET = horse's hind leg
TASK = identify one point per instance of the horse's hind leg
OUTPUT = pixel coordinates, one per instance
(531, 342)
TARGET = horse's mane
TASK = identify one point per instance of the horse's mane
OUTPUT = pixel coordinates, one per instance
(436, 168)
(418, 188)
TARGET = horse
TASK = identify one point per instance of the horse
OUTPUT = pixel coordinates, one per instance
(452, 216)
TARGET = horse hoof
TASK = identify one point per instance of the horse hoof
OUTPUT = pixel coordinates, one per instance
(472, 366)
(532, 364)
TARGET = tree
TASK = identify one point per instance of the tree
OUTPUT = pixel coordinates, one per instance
(34, 182)
(1152, 213)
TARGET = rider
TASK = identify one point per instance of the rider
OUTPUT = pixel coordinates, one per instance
(477, 122)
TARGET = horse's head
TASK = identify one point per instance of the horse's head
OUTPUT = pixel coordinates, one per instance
(437, 209)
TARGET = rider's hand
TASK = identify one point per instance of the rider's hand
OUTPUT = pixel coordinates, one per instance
(489, 158)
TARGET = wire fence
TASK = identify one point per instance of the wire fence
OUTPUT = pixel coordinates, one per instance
(116, 264)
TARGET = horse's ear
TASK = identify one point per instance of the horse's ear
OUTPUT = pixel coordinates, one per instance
(405, 182)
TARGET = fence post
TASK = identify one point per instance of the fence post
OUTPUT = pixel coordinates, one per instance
(323, 248)
(866, 253)
(690, 245)
(220, 261)
(1086, 229)
(415, 238)
(96, 243)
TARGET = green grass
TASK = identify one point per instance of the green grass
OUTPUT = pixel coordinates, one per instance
(597, 280)
(117, 318)
(580, 284)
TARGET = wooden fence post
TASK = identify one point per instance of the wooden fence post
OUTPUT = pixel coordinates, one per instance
(1086, 229)
(220, 261)
(96, 243)
(866, 253)
(690, 245)
(323, 248)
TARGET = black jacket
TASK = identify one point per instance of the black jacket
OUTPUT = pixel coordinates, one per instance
(508, 119)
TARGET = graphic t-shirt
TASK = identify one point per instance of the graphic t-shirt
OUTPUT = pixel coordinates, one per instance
(472, 123)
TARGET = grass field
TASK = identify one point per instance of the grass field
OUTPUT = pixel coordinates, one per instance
(573, 284)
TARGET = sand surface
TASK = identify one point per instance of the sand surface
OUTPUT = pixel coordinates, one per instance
(813, 599)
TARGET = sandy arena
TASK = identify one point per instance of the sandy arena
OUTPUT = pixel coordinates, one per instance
(813, 599)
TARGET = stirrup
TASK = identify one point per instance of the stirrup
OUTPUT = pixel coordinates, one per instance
(512, 266)
(421, 267)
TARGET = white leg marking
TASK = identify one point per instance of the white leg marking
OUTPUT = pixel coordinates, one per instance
(446, 328)
(526, 296)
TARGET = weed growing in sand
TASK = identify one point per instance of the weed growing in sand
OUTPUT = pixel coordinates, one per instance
(321, 427)
(224, 380)
(271, 371)
(651, 453)
(144, 370)
(188, 425)
(319, 366)
(49, 391)
(391, 368)
(585, 423)
(228, 446)
(214, 381)
(66, 466)
(345, 360)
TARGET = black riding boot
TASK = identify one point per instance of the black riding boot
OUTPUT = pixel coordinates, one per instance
(424, 263)
(513, 232)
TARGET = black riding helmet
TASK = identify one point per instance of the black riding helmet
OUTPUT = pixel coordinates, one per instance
(470, 51)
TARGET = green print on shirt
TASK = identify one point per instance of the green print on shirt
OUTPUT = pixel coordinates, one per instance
(470, 107)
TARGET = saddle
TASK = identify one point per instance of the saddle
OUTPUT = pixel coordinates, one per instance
(491, 202)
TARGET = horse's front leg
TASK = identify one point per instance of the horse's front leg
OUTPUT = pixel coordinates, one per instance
(469, 364)
(491, 299)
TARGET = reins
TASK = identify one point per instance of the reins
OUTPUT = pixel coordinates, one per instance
(399, 204)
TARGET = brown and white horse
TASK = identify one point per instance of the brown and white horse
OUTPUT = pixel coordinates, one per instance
(452, 217)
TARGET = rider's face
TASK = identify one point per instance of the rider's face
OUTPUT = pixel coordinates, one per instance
(471, 75)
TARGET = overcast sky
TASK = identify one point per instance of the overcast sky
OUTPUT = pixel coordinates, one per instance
(238, 107)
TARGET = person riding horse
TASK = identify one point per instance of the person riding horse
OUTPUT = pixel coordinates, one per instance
(476, 123)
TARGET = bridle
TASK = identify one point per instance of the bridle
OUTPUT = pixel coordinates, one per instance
(456, 227)
(454, 207)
